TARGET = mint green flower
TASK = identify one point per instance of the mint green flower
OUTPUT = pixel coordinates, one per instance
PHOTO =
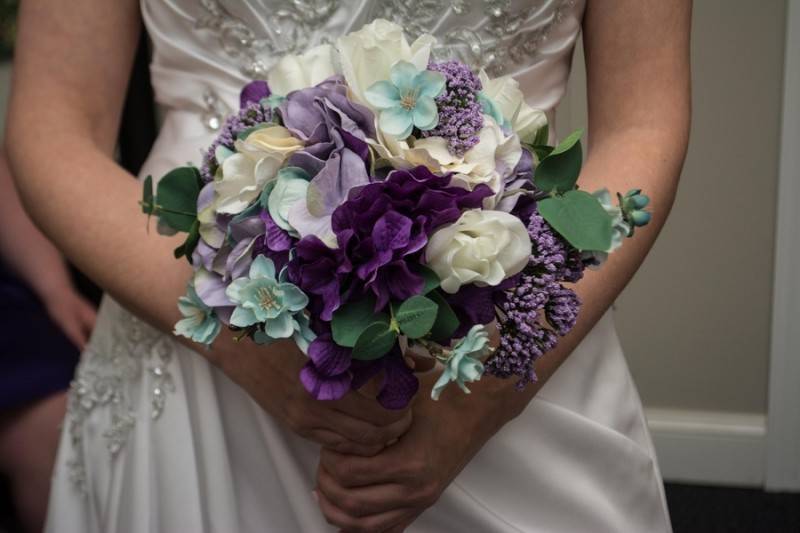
(463, 365)
(261, 298)
(490, 107)
(199, 321)
(407, 100)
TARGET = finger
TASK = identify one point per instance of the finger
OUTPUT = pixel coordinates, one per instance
(88, 313)
(351, 471)
(361, 432)
(72, 330)
(367, 524)
(363, 501)
(336, 442)
(365, 408)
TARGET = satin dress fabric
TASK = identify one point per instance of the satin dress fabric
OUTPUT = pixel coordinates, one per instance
(158, 440)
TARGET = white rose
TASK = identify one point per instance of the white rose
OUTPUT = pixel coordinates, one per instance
(367, 55)
(255, 163)
(295, 72)
(482, 247)
(490, 161)
(504, 92)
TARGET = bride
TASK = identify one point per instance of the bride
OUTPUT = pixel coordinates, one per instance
(162, 438)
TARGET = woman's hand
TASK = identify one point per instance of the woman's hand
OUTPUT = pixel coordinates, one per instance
(71, 312)
(355, 425)
(388, 491)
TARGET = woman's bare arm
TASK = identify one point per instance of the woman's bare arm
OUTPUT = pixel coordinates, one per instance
(70, 76)
(637, 55)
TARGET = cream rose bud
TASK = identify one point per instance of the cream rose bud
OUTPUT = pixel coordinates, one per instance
(295, 72)
(367, 55)
(482, 247)
(275, 141)
(504, 92)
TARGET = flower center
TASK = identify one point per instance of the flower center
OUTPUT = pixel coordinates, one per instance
(408, 102)
(266, 298)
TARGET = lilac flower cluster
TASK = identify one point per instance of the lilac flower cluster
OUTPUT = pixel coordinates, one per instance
(539, 309)
(460, 113)
(248, 116)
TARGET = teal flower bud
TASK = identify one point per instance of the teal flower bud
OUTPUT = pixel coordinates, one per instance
(463, 365)
(199, 321)
(640, 218)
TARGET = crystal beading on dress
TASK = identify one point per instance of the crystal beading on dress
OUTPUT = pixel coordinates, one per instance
(506, 37)
(102, 381)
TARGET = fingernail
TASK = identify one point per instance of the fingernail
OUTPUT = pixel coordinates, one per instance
(315, 495)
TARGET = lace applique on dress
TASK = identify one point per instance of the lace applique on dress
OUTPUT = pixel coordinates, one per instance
(106, 379)
(507, 37)
(288, 28)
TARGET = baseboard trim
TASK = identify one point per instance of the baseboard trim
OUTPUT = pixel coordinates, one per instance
(715, 448)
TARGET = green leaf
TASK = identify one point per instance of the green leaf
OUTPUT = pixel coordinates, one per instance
(541, 151)
(559, 170)
(540, 139)
(569, 141)
(580, 219)
(350, 320)
(374, 342)
(416, 316)
(446, 320)
(189, 244)
(429, 276)
(147, 196)
(176, 198)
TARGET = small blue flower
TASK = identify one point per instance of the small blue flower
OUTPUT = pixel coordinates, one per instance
(263, 299)
(463, 365)
(199, 321)
(490, 107)
(407, 100)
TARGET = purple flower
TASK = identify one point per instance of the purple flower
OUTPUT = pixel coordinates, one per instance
(320, 272)
(539, 308)
(399, 384)
(460, 113)
(334, 130)
(327, 376)
(384, 225)
(253, 92)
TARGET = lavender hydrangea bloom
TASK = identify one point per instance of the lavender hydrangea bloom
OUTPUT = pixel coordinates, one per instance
(460, 112)
(336, 154)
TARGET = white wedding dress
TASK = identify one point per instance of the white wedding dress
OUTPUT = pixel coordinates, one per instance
(158, 440)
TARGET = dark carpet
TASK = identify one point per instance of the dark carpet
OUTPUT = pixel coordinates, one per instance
(700, 509)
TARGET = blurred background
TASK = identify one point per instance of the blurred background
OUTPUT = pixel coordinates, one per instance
(709, 324)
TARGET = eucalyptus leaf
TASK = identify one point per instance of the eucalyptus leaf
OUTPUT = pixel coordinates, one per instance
(580, 218)
(558, 171)
(350, 320)
(147, 196)
(430, 278)
(176, 198)
(542, 134)
(446, 320)
(189, 244)
(374, 342)
(416, 316)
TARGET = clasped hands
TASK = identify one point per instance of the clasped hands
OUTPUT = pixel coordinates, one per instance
(378, 469)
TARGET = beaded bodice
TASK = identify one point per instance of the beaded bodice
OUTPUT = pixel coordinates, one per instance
(204, 47)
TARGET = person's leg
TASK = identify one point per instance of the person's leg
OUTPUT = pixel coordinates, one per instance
(29, 438)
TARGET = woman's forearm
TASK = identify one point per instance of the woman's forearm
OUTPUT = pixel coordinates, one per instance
(23, 247)
(91, 211)
(652, 161)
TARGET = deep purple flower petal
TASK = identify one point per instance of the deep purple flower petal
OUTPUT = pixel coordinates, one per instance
(253, 92)
(324, 387)
(399, 384)
(329, 358)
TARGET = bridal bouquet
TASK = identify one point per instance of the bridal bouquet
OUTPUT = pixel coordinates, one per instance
(367, 199)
